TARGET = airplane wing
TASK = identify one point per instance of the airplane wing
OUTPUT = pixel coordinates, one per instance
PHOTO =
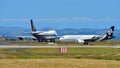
(85, 41)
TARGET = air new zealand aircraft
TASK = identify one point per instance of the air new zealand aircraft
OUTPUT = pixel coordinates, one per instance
(85, 39)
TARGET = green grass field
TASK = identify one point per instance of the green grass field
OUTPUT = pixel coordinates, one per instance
(52, 58)
(73, 53)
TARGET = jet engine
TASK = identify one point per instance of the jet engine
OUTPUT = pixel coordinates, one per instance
(80, 41)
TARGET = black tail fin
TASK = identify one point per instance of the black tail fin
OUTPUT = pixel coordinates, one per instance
(32, 26)
(110, 32)
(108, 35)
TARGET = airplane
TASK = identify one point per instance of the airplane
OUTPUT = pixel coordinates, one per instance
(43, 36)
(85, 39)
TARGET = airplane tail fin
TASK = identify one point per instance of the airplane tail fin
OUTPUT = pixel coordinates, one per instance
(110, 32)
(108, 35)
(32, 26)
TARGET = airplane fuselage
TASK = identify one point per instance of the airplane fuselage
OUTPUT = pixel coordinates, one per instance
(71, 38)
(88, 38)
(44, 35)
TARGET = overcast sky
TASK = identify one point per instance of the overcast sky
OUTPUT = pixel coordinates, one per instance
(60, 13)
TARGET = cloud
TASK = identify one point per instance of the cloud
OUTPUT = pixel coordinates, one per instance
(53, 19)
(14, 20)
(86, 19)
(74, 19)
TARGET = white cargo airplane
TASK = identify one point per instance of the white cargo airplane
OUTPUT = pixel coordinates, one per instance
(85, 39)
(43, 36)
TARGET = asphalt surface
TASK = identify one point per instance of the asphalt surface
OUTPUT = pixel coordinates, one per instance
(18, 46)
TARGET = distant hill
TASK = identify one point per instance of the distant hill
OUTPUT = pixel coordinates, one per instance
(17, 31)
(13, 30)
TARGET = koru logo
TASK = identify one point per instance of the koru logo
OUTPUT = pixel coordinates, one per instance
(110, 32)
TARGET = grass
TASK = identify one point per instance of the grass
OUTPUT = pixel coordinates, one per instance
(52, 58)
(58, 63)
(73, 53)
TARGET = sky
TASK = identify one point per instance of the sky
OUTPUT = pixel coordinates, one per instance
(60, 13)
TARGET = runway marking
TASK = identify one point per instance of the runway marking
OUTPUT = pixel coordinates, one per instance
(16, 46)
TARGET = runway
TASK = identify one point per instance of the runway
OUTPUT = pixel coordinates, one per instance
(18, 46)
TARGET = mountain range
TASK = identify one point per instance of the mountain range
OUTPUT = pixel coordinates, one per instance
(18, 31)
